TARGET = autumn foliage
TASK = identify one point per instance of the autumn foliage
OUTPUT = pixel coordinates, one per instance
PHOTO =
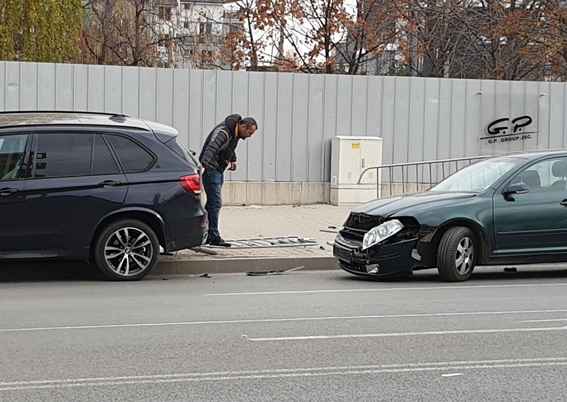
(484, 39)
(40, 30)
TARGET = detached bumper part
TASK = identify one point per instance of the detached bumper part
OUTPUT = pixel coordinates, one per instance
(379, 260)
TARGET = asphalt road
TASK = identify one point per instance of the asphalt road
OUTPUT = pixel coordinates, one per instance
(300, 337)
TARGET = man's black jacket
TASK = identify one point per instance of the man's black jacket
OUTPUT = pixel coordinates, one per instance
(218, 150)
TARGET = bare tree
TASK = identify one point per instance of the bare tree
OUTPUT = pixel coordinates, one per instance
(123, 32)
(476, 39)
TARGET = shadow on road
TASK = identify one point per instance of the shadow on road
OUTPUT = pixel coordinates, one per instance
(493, 273)
(42, 271)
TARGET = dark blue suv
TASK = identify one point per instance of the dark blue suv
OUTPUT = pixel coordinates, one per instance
(95, 186)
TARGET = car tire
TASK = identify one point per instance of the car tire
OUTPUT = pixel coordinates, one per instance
(126, 250)
(456, 255)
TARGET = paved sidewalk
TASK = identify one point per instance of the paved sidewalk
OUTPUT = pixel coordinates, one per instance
(309, 221)
(273, 221)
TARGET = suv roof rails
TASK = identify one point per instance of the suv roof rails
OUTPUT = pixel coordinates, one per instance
(63, 111)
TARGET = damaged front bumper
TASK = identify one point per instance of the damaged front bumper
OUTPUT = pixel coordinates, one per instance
(393, 258)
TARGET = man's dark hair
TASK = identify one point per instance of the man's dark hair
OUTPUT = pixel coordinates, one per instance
(250, 122)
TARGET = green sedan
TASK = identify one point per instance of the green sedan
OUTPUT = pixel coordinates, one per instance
(502, 210)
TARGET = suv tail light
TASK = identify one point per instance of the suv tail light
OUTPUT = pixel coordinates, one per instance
(192, 184)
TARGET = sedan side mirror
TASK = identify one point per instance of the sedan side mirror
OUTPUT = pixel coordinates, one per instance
(517, 188)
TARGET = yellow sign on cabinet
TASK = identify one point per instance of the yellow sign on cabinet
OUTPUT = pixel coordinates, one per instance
(356, 145)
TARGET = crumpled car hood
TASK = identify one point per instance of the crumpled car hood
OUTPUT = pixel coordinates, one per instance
(411, 205)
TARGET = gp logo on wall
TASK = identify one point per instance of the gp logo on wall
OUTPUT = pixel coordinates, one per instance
(509, 130)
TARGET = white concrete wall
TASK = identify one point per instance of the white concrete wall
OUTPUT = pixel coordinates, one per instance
(418, 119)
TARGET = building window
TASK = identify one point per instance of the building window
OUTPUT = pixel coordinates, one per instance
(205, 28)
(165, 13)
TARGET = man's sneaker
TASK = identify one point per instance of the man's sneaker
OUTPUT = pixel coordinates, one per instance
(218, 242)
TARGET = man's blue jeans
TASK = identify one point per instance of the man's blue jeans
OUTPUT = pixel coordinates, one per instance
(213, 181)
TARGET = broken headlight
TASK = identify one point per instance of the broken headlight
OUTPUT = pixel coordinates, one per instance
(381, 233)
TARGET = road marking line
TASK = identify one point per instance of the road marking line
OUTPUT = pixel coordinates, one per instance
(401, 334)
(550, 320)
(299, 319)
(273, 374)
(293, 292)
(299, 369)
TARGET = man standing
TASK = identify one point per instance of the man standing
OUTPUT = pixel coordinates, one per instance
(217, 154)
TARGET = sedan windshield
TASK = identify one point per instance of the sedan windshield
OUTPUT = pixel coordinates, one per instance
(478, 176)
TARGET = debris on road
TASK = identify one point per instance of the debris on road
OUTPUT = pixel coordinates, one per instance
(205, 276)
(204, 250)
(279, 272)
(270, 242)
(328, 231)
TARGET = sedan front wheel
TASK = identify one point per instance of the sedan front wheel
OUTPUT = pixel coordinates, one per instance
(456, 255)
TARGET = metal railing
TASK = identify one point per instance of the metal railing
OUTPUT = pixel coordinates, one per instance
(437, 171)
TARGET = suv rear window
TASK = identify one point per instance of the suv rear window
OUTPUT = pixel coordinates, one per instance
(182, 151)
(103, 161)
(133, 157)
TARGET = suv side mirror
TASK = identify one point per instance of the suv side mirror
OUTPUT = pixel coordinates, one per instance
(517, 188)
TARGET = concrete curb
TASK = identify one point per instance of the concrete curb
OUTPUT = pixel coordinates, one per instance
(171, 267)
(167, 267)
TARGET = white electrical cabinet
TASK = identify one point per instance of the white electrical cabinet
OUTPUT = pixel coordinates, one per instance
(349, 157)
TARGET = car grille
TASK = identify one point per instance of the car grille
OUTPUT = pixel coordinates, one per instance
(342, 253)
(358, 224)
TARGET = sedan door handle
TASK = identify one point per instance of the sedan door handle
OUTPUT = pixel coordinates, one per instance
(109, 183)
(564, 203)
(8, 191)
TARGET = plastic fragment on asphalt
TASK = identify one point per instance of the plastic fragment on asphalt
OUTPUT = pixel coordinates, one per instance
(452, 375)
(205, 276)
(279, 272)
